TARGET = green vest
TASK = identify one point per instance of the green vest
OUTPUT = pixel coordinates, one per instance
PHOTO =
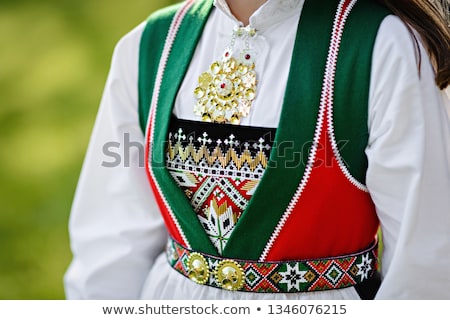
(299, 113)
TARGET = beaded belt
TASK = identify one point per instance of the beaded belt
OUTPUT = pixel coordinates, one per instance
(273, 277)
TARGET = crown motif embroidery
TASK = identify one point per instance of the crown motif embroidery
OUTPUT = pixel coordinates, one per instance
(223, 154)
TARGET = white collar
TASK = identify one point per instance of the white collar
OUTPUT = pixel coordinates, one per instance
(269, 14)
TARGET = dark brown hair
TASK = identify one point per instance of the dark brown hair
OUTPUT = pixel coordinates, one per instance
(427, 17)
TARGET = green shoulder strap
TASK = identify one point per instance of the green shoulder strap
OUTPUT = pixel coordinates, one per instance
(182, 50)
(152, 45)
(352, 83)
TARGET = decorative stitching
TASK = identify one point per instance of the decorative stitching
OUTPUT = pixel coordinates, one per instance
(281, 276)
(217, 171)
(336, 41)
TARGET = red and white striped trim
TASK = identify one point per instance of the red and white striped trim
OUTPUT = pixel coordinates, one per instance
(173, 31)
(325, 111)
(335, 44)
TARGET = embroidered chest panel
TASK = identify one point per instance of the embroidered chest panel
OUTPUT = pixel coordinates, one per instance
(218, 167)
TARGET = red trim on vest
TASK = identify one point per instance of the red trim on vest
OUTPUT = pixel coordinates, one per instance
(165, 210)
(332, 217)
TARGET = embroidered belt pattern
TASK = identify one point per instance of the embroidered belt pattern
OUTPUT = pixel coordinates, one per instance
(273, 277)
(217, 171)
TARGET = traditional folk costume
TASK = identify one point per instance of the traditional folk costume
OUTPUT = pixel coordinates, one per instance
(273, 153)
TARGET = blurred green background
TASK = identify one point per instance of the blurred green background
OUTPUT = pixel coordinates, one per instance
(54, 59)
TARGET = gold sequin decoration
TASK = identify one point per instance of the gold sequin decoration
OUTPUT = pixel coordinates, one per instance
(227, 90)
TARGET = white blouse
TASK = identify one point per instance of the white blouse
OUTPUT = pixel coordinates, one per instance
(118, 235)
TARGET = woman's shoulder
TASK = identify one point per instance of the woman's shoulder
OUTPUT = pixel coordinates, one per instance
(399, 43)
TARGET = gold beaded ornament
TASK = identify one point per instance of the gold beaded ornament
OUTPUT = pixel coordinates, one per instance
(226, 91)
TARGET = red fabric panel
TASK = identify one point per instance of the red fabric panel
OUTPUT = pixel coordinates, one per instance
(332, 217)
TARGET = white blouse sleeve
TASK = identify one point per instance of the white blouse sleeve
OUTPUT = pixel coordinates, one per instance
(409, 167)
(116, 231)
